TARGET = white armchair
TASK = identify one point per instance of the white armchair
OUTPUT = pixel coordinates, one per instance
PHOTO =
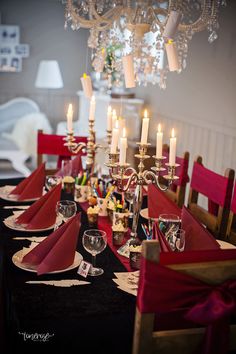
(20, 118)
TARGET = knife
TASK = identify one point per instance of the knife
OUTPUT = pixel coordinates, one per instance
(62, 283)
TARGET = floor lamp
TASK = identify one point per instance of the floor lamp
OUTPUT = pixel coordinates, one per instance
(49, 77)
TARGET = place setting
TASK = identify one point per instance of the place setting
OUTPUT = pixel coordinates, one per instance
(40, 216)
(29, 190)
(53, 254)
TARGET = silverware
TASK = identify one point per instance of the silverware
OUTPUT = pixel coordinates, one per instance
(33, 238)
(62, 283)
(16, 207)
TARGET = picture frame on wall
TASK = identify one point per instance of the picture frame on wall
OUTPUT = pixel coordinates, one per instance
(9, 34)
(10, 63)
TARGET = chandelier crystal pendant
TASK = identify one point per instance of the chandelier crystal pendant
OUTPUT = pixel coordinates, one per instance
(155, 32)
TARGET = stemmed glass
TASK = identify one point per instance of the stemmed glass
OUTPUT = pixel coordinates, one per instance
(65, 210)
(168, 224)
(94, 242)
(51, 181)
(129, 196)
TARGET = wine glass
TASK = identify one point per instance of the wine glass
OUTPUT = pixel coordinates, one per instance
(51, 181)
(168, 223)
(129, 196)
(94, 242)
(66, 168)
(177, 240)
(65, 210)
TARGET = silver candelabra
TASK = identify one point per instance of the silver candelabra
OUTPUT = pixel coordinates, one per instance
(127, 176)
(90, 147)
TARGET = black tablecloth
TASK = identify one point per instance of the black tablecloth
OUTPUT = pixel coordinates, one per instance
(95, 318)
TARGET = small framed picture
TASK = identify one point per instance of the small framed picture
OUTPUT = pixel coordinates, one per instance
(10, 64)
(22, 50)
(9, 34)
(6, 49)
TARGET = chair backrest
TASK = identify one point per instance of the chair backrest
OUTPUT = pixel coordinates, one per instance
(52, 144)
(218, 190)
(231, 229)
(175, 290)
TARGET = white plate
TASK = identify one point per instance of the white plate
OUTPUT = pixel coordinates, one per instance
(5, 194)
(225, 245)
(10, 222)
(17, 258)
(144, 214)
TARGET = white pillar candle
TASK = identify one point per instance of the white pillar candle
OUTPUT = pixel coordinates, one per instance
(145, 125)
(172, 56)
(172, 24)
(123, 147)
(92, 108)
(109, 118)
(70, 118)
(128, 65)
(114, 139)
(172, 148)
(87, 85)
(114, 118)
(159, 142)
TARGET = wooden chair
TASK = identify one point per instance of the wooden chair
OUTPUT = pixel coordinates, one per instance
(157, 303)
(231, 228)
(218, 190)
(52, 144)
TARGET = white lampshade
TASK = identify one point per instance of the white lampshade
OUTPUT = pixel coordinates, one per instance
(49, 75)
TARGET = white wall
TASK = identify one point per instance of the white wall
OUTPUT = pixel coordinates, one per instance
(201, 101)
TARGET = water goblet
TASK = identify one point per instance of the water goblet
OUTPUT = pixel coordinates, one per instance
(168, 223)
(129, 196)
(94, 241)
(51, 181)
(65, 210)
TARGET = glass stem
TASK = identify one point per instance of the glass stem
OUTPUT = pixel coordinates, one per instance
(94, 261)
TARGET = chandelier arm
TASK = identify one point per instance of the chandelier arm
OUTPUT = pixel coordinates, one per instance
(108, 18)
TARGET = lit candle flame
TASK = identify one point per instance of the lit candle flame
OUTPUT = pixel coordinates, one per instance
(159, 128)
(145, 113)
(93, 98)
(172, 133)
(84, 75)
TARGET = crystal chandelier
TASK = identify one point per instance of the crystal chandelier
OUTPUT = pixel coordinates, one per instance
(155, 32)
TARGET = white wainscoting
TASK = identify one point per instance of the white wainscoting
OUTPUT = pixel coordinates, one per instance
(215, 143)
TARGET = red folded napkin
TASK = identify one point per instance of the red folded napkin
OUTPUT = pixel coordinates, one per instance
(196, 235)
(32, 186)
(75, 168)
(158, 235)
(57, 251)
(42, 213)
(159, 203)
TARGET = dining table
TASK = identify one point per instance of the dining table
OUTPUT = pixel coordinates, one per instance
(91, 318)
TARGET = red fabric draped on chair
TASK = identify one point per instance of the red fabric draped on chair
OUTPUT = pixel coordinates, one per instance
(200, 288)
(50, 144)
(218, 190)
